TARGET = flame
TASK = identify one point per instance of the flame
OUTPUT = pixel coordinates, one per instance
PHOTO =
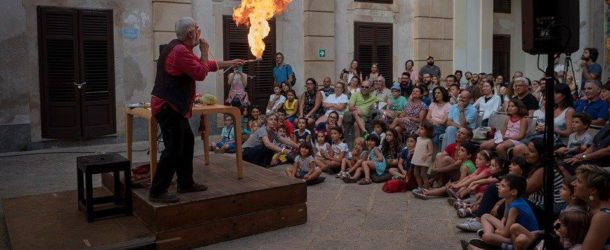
(255, 13)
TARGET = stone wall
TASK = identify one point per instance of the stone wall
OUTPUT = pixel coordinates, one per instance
(19, 71)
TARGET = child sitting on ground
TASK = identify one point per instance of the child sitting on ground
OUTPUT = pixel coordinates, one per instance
(321, 146)
(337, 151)
(460, 189)
(227, 141)
(523, 237)
(476, 188)
(302, 134)
(354, 159)
(497, 232)
(375, 162)
(283, 156)
(404, 170)
(304, 166)
(390, 147)
(379, 128)
(579, 140)
(465, 153)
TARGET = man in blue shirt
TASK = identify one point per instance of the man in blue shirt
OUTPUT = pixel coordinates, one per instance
(461, 114)
(590, 69)
(593, 105)
(282, 72)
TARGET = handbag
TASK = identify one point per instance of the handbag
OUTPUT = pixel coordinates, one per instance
(481, 133)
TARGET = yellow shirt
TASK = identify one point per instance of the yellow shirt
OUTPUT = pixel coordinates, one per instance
(291, 108)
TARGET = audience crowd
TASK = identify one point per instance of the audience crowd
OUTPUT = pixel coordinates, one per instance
(474, 138)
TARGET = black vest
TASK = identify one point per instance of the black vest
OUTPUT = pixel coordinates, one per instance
(177, 90)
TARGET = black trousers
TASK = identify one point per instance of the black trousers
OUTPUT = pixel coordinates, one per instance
(259, 155)
(177, 157)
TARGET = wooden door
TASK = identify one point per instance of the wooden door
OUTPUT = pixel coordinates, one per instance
(373, 44)
(76, 72)
(501, 56)
(260, 74)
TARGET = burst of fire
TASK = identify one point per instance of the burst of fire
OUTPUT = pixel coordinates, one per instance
(255, 13)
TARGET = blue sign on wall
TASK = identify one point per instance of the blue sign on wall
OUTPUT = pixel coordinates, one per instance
(130, 33)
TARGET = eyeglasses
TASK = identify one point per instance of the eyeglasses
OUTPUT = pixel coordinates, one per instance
(557, 226)
(366, 87)
(395, 90)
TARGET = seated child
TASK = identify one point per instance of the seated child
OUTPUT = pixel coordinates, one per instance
(302, 134)
(390, 147)
(459, 189)
(276, 100)
(579, 140)
(379, 128)
(227, 143)
(304, 166)
(354, 159)
(284, 156)
(497, 232)
(404, 163)
(321, 146)
(523, 238)
(291, 105)
(375, 162)
(465, 153)
(337, 151)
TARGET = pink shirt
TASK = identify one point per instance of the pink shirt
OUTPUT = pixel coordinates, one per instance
(437, 113)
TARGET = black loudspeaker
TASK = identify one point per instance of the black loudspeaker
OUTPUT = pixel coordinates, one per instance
(550, 26)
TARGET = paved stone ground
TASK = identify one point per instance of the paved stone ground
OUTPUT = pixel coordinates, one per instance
(340, 215)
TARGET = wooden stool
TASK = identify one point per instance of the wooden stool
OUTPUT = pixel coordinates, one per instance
(99, 164)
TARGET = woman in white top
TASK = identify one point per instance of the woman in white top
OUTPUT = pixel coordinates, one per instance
(335, 102)
(488, 102)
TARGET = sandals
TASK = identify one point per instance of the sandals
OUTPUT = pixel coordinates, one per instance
(420, 195)
(349, 180)
(365, 181)
(464, 212)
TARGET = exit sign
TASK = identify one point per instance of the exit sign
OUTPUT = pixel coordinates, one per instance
(322, 53)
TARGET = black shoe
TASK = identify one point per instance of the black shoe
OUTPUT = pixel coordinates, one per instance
(193, 188)
(316, 181)
(482, 244)
(464, 244)
(163, 198)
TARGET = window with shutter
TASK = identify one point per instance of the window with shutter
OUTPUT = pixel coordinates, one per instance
(260, 80)
(97, 70)
(373, 44)
(76, 46)
(502, 6)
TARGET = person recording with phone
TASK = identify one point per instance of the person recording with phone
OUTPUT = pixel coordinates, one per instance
(172, 100)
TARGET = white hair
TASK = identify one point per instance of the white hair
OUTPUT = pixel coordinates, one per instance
(183, 27)
(521, 79)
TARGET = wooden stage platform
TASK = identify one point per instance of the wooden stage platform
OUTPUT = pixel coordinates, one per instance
(262, 201)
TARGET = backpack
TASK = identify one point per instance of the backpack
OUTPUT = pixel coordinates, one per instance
(394, 186)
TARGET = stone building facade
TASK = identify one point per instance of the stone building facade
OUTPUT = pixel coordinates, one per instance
(317, 38)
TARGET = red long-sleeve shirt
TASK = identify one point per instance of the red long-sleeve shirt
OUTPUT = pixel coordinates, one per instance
(182, 60)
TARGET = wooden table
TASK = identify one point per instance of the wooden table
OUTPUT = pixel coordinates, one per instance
(198, 109)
